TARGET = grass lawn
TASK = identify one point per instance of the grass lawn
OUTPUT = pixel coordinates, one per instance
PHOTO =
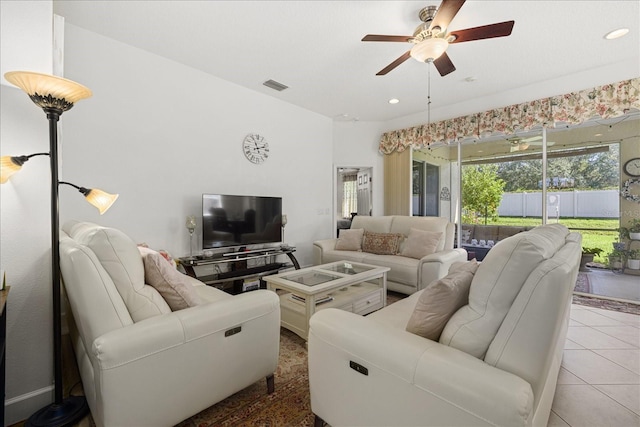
(591, 237)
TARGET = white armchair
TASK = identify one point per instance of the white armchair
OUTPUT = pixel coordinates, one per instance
(142, 364)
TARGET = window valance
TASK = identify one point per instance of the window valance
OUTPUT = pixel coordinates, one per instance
(607, 101)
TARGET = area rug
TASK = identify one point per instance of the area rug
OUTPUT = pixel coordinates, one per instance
(606, 304)
(288, 405)
(582, 284)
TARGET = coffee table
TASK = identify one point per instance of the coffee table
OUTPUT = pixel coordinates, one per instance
(351, 286)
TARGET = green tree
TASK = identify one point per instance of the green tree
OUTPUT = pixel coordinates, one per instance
(481, 190)
(595, 171)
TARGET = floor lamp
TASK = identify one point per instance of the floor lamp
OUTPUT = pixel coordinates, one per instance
(54, 95)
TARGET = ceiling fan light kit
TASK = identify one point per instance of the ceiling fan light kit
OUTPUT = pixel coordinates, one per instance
(429, 49)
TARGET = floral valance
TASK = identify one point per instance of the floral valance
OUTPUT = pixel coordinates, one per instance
(607, 101)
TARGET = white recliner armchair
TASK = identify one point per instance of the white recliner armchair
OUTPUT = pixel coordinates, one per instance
(142, 364)
(496, 362)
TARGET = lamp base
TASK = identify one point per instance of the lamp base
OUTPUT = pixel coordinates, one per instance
(70, 411)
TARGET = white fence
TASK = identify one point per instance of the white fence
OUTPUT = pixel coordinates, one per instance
(569, 204)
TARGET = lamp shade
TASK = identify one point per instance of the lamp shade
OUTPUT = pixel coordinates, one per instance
(429, 49)
(100, 199)
(8, 167)
(43, 86)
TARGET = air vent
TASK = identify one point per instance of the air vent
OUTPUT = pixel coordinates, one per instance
(275, 85)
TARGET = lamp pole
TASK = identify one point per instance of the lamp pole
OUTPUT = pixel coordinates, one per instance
(63, 411)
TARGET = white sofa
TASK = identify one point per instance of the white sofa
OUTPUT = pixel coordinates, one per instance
(407, 275)
(142, 364)
(496, 362)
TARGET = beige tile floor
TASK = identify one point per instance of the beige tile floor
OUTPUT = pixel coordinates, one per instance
(599, 381)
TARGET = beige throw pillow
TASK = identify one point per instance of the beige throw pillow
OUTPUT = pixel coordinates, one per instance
(381, 243)
(441, 299)
(350, 240)
(169, 282)
(421, 243)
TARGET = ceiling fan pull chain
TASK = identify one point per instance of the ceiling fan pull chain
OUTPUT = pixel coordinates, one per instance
(429, 95)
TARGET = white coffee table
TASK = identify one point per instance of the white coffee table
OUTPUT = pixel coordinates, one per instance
(351, 286)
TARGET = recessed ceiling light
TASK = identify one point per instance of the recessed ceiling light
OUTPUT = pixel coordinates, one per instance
(394, 101)
(598, 134)
(616, 33)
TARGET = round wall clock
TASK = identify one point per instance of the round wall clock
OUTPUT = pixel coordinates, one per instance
(632, 167)
(255, 148)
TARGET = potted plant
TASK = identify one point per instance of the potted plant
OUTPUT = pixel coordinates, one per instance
(616, 261)
(587, 256)
(632, 231)
(633, 261)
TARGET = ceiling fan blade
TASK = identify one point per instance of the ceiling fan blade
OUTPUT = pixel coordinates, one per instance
(383, 38)
(500, 29)
(444, 65)
(394, 64)
(446, 12)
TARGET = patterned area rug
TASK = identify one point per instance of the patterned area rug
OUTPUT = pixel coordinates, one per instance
(584, 287)
(607, 304)
(582, 284)
(288, 405)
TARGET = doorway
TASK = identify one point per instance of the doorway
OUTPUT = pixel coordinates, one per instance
(426, 185)
(353, 194)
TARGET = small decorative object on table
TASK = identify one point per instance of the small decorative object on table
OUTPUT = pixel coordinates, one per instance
(283, 221)
(191, 227)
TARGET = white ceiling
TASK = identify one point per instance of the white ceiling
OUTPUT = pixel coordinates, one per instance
(314, 48)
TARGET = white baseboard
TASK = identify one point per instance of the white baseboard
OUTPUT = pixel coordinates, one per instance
(20, 408)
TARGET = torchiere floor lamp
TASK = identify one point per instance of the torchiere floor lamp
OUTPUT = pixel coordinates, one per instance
(54, 95)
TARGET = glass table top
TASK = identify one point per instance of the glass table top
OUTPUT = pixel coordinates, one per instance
(348, 268)
(312, 278)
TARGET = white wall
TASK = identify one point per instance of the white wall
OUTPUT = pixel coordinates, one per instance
(160, 134)
(26, 37)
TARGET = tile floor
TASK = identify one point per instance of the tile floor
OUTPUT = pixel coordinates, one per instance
(599, 381)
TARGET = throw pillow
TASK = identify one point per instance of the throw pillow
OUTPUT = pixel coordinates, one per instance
(421, 243)
(169, 282)
(350, 240)
(381, 243)
(441, 299)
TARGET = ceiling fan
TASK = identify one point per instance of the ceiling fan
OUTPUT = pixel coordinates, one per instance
(520, 144)
(431, 39)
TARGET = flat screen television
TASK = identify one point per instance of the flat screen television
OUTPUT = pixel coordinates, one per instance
(230, 220)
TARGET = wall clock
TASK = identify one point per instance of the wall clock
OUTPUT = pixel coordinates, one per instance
(255, 148)
(632, 167)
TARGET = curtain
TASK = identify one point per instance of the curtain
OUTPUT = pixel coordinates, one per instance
(607, 101)
(397, 183)
(350, 195)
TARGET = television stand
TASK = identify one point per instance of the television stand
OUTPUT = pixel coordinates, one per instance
(232, 280)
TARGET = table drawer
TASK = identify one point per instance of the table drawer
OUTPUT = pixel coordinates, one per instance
(370, 302)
